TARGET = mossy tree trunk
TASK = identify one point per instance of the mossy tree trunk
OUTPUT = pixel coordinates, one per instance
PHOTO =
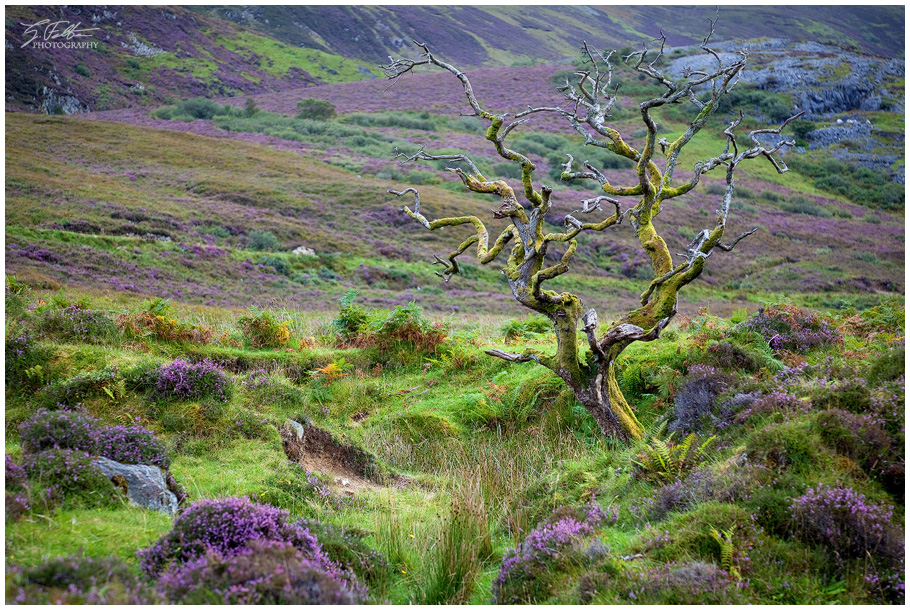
(593, 377)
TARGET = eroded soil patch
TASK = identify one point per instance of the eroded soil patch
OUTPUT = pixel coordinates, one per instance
(352, 469)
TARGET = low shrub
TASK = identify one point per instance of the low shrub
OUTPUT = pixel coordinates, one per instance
(27, 363)
(182, 380)
(867, 443)
(132, 445)
(526, 573)
(779, 402)
(694, 401)
(77, 324)
(727, 355)
(80, 580)
(262, 240)
(788, 328)
(685, 583)
(17, 501)
(842, 521)
(262, 572)
(155, 322)
(315, 109)
(262, 330)
(888, 366)
(352, 319)
(250, 424)
(224, 526)
(59, 430)
(407, 325)
(732, 484)
(68, 474)
(106, 382)
(786, 445)
(345, 547)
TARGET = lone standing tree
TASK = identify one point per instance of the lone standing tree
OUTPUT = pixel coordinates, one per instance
(592, 377)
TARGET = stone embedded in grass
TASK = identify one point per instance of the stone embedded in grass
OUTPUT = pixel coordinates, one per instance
(145, 485)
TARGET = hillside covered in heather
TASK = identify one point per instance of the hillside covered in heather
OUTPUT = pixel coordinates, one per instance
(234, 375)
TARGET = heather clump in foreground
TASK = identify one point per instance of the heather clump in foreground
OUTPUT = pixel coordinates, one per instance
(263, 572)
(846, 524)
(79, 580)
(224, 526)
(234, 551)
(527, 571)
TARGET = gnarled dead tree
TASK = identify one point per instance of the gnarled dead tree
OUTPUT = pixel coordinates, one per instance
(591, 98)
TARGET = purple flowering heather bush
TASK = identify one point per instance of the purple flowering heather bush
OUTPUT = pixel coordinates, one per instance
(79, 580)
(78, 324)
(17, 501)
(23, 354)
(345, 547)
(843, 521)
(132, 445)
(846, 524)
(261, 572)
(694, 401)
(865, 441)
(182, 380)
(68, 474)
(225, 525)
(677, 583)
(59, 430)
(525, 575)
(788, 328)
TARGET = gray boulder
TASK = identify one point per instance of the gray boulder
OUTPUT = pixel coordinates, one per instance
(144, 485)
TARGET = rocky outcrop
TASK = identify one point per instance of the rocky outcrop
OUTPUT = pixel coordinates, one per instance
(145, 486)
(821, 80)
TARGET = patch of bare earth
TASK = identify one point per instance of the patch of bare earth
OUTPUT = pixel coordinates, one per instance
(352, 469)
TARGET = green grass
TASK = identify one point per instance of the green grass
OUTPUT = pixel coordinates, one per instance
(120, 531)
(487, 449)
(277, 59)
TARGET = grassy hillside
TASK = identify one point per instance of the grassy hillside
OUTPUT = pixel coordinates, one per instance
(207, 210)
(792, 474)
(146, 56)
(504, 35)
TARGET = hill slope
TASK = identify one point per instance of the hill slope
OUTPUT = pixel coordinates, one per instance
(502, 35)
(146, 55)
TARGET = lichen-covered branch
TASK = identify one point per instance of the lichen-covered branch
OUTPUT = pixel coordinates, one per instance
(591, 97)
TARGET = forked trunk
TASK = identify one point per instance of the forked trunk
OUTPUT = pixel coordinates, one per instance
(604, 401)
